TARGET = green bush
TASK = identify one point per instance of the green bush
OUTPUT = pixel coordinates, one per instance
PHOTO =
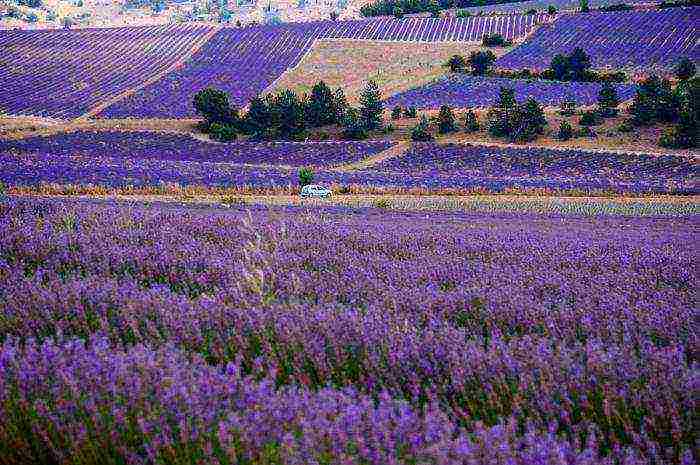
(306, 176)
(589, 118)
(552, 10)
(222, 132)
(421, 131)
(463, 14)
(565, 131)
(624, 127)
(410, 112)
(398, 13)
(396, 112)
(481, 62)
(685, 69)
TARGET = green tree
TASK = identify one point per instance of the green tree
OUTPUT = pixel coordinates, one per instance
(353, 125)
(371, 106)
(421, 131)
(321, 109)
(559, 66)
(502, 116)
(579, 64)
(398, 12)
(446, 120)
(685, 69)
(530, 121)
(223, 132)
(471, 122)
(607, 100)
(288, 115)
(434, 9)
(584, 6)
(258, 119)
(456, 63)
(552, 10)
(481, 62)
(213, 105)
(396, 112)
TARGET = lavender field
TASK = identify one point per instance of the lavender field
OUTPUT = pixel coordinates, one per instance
(63, 74)
(144, 160)
(244, 62)
(646, 41)
(136, 334)
(184, 148)
(459, 91)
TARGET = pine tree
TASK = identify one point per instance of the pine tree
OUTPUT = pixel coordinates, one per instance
(320, 109)
(607, 100)
(371, 106)
(446, 120)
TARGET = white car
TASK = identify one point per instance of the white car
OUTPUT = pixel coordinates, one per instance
(312, 190)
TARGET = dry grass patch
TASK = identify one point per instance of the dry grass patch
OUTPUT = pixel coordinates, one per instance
(395, 66)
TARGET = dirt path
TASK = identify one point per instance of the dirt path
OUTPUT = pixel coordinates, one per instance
(196, 46)
(394, 151)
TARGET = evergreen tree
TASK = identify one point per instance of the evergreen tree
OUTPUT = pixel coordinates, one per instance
(481, 62)
(607, 101)
(213, 105)
(446, 120)
(530, 121)
(579, 64)
(456, 63)
(321, 106)
(353, 125)
(421, 131)
(288, 115)
(502, 115)
(559, 66)
(371, 106)
(258, 120)
(340, 105)
(471, 122)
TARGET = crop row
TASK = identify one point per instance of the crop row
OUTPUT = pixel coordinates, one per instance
(469, 91)
(646, 41)
(66, 73)
(178, 147)
(168, 334)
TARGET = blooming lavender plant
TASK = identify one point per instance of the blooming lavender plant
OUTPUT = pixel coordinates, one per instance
(148, 334)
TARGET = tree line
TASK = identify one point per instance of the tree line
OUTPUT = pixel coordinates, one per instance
(288, 116)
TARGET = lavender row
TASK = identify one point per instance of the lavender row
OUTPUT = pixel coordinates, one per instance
(647, 41)
(177, 147)
(65, 73)
(468, 91)
(679, 176)
(576, 328)
(543, 5)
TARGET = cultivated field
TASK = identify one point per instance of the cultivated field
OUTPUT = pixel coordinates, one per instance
(348, 64)
(512, 286)
(64, 74)
(463, 91)
(214, 335)
(643, 41)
